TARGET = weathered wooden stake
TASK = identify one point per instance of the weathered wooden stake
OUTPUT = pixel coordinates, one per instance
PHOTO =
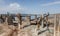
(58, 25)
(28, 19)
(55, 25)
(42, 21)
(6, 22)
(19, 23)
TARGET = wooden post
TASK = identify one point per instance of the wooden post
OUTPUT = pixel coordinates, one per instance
(19, 19)
(35, 16)
(58, 25)
(42, 21)
(47, 22)
(6, 21)
(36, 22)
(55, 25)
(28, 19)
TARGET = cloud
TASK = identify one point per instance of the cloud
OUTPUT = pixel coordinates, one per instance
(52, 3)
(12, 7)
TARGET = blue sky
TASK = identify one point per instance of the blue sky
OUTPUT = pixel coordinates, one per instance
(30, 6)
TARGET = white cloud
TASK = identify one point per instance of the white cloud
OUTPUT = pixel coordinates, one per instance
(12, 7)
(52, 3)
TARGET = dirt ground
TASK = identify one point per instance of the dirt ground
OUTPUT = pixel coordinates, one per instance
(10, 30)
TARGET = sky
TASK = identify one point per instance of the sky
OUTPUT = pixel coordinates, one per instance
(30, 6)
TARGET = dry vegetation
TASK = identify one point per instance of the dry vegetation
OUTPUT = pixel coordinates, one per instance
(27, 29)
